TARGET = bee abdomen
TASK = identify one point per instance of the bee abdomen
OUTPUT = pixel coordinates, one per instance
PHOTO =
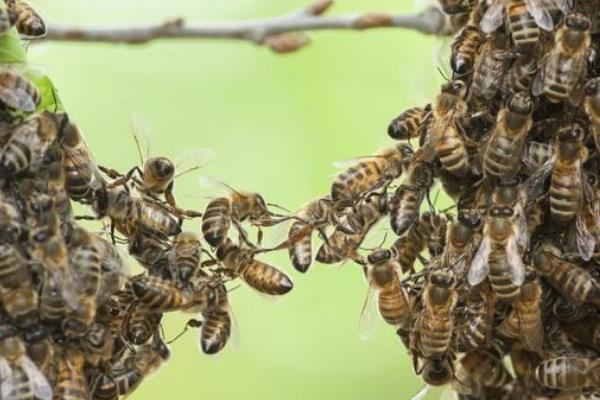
(406, 125)
(332, 251)
(215, 332)
(453, 154)
(216, 220)
(105, 388)
(266, 279)
(500, 157)
(356, 180)
(15, 158)
(524, 30)
(300, 249)
(501, 278)
(404, 208)
(565, 196)
(408, 248)
(10, 264)
(562, 373)
(392, 306)
(435, 342)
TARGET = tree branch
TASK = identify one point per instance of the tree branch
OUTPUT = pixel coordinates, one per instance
(281, 33)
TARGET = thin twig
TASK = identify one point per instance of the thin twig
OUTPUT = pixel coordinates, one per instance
(282, 33)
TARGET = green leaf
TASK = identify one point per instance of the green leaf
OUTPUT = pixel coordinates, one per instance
(49, 93)
(11, 48)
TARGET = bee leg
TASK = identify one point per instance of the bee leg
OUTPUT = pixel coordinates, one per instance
(85, 217)
(243, 235)
(123, 179)
(259, 236)
(112, 232)
(208, 263)
(111, 173)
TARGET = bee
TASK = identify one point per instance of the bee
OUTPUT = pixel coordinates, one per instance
(520, 75)
(185, 256)
(26, 19)
(591, 105)
(159, 295)
(151, 252)
(475, 331)
(434, 227)
(524, 363)
(315, 215)
(465, 44)
(504, 148)
(27, 145)
(486, 369)
(435, 324)
(71, 382)
(570, 313)
(385, 293)
(52, 306)
(490, 67)
(20, 304)
(462, 239)
(527, 309)
(259, 275)
(53, 174)
(437, 372)
(369, 173)
(409, 246)
(525, 17)
(157, 174)
(341, 244)
(83, 177)
(13, 267)
(140, 323)
(405, 204)
(572, 281)
(234, 208)
(18, 92)
(498, 255)
(570, 373)
(41, 350)
(536, 155)
(444, 140)
(408, 125)
(12, 227)
(217, 323)
(97, 344)
(566, 64)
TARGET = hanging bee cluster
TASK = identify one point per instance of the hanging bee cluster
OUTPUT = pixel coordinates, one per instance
(511, 273)
(73, 322)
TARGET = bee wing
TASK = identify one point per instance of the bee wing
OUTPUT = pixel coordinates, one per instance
(344, 164)
(493, 17)
(515, 261)
(585, 240)
(540, 14)
(193, 159)
(17, 98)
(522, 233)
(39, 384)
(422, 393)
(211, 183)
(142, 134)
(6, 376)
(534, 185)
(368, 319)
(479, 268)
(538, 82)
(234, 337)
(564, 5)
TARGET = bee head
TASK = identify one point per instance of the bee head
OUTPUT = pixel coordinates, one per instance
(160, 168)
(577, 21)
(437, 372)
(469, 219)
(379, 255)
(592, 87)
(501, 212)
(520, 103)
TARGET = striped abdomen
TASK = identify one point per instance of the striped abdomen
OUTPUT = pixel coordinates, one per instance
(52, 303)
(356, 180)
(523, 29)
(464, 49)
(216, 221)
(300, 246)
(565, 193)
(502, 155)
(486, 368)
(562, 373)
(71, 383)
(408, 247)
(474, 333)
(501, 276)
(105, 388)
(28, 21)
(266, 278)
(404, 207)
(78, 173)
(435, 333)
(156, 219)
(215, 332)
(574, 282)
(128, 380)
(86, 263)
(140, 324)
(407, 125)
(12, 267)
(393, 305)
(19, 92)
(561, 74)
(158, 294)
(16, 155)
(452, 152)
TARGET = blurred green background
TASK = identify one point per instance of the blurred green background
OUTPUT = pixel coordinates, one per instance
(276, 122)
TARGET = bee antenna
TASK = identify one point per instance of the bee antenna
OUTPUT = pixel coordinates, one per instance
(443, 74)
(278, 206)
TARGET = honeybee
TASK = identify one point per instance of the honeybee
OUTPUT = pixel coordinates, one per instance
(499, 256)
(13, 267)
(520, 75)
(29, 141)
(53, 307)
(139, 323)
(566, 65)
(569, 373)
(156, 176)
(525, 17)
(369, 173)
(20, 304)
(465, 44)
(41, 350)
(444, 140)
(385, 293)
(151, 252)
(536, 155)
(435, 324)
(12, 227)
(83, 177)
(434, 227)
(461, 241)
(527, 309)
(344, 241)
(436, 372)
(315, 215)
(490, 67)
(475, 331)
(185, 256)
(234, 208)
(217, 323)
(504, 148)
(572, 281)
(409, 246)
(27, 21)
(71, 382)
(570, 313)
(591, 105)
(18, 92)
(259, 275)
(52, 173)
(408, 125)
(405, 204)
(486, 369)
(159, 295)
(524, 363)
(97, 344)
(21, 378)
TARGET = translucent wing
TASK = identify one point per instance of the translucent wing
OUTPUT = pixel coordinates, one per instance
(538, 82)
(540, 14)
(479, 268)
(193, 159)
(39, 384)
(17, 98)
(515, 261)
(522, 233)
(142, 134)
(585, 240)
(531, 333)
(492, 19)
(208, 182)
(6, 375)
(369, 319)
(344, 164)
(234, 339)
(422, 393)
(564, 5)
(534, 185)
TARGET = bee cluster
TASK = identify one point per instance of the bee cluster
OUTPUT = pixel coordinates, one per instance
(511, 273)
